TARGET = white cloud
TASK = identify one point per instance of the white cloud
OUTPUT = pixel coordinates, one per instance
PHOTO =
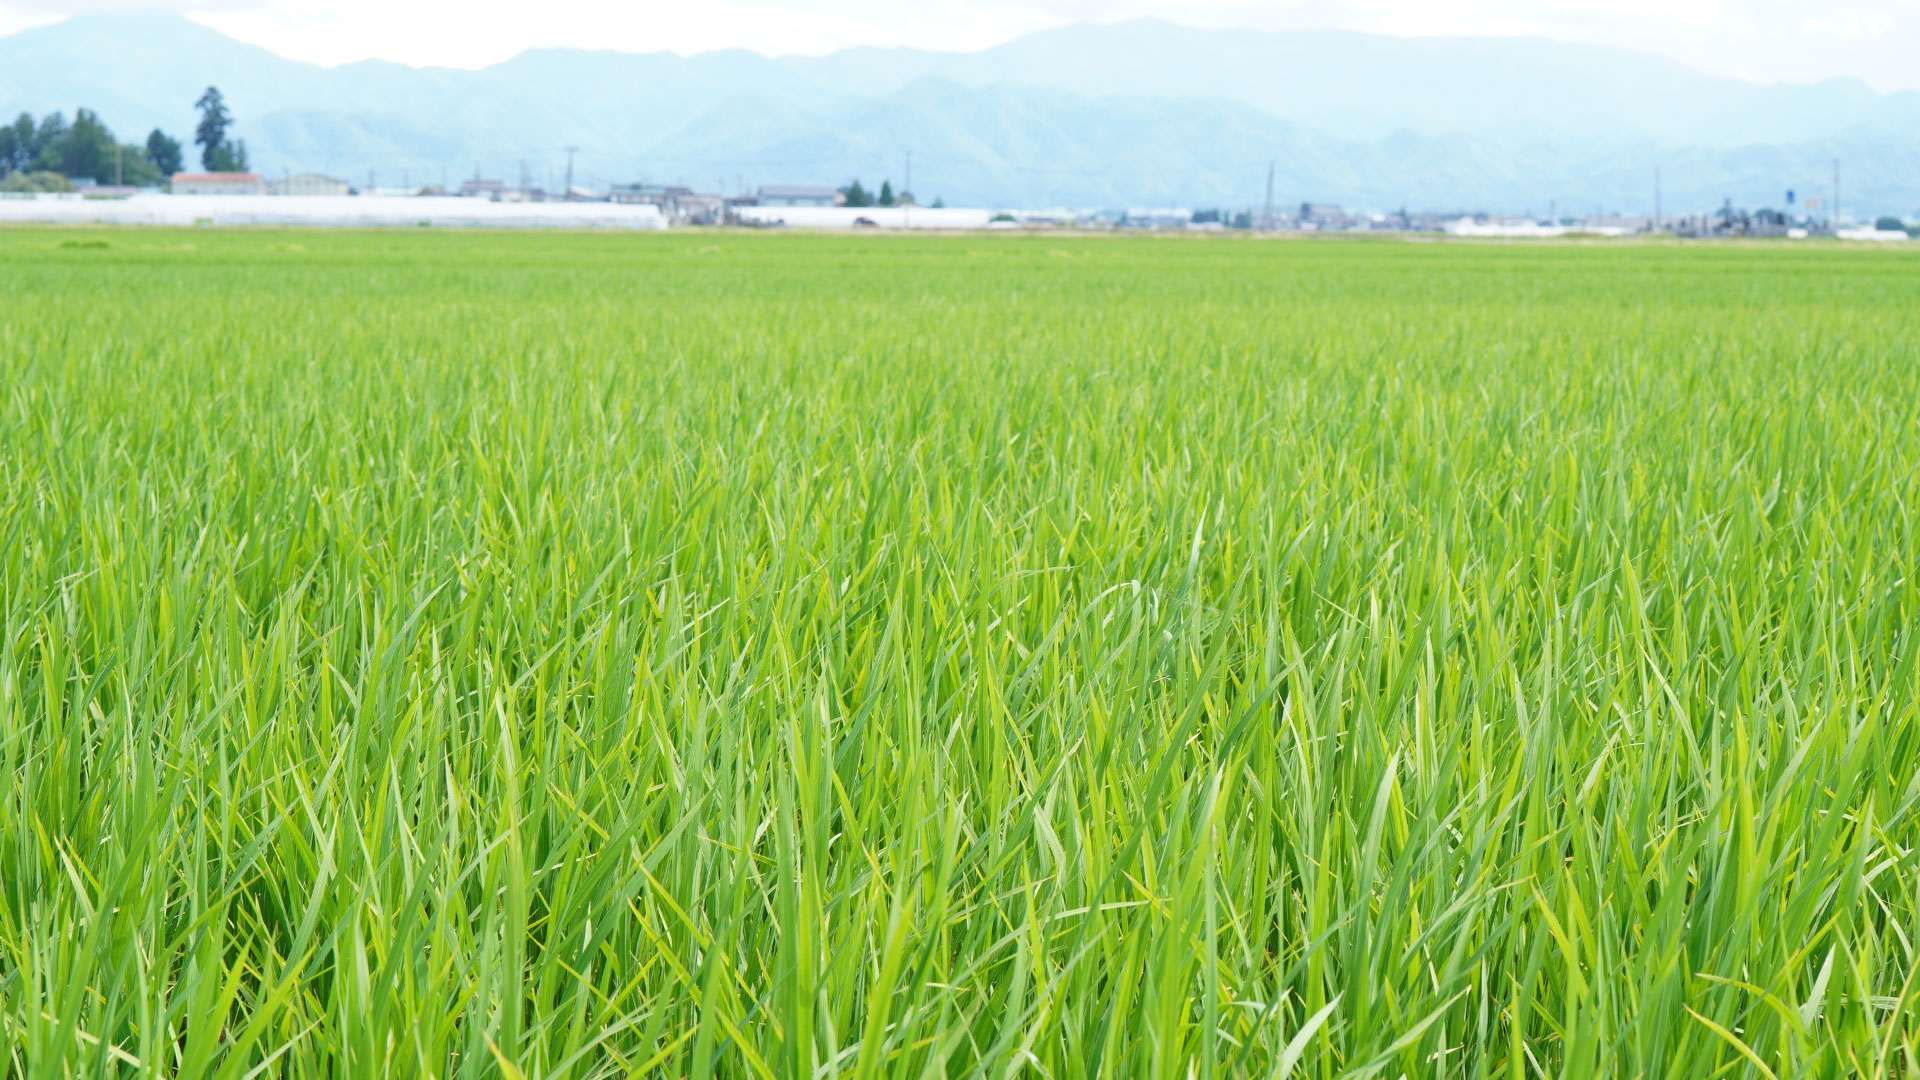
(1785, 40)
(1848, 23)
(12, 21)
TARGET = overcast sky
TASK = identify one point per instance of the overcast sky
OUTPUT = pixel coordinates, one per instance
(1763, 40)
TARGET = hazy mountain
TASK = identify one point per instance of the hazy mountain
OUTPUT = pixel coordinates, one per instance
(1370, 86)
(1130, 114)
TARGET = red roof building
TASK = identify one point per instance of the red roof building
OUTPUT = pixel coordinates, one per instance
(218, 183)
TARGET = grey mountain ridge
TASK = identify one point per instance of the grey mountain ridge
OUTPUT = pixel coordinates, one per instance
(1137, 113)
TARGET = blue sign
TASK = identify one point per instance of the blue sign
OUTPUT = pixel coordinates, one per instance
(1789, 197)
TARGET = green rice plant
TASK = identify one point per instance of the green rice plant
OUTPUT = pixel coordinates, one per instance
(576, 656)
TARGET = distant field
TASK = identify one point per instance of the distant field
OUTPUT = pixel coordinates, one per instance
(428, 654)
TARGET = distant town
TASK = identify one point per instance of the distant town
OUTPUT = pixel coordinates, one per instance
(53, 163)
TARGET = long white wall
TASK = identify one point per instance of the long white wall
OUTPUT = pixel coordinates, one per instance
(1470, 227)
(843, 217)
(322, 210)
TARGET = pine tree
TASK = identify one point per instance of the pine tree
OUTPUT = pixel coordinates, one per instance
(211, 133)
(164, 152)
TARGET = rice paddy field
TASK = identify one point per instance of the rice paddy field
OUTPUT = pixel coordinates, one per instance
(429, 654)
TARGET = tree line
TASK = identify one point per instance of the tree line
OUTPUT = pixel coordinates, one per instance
(855, 195)
(48, 154)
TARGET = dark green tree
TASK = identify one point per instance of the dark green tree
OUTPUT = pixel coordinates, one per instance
(35, 181)
(53, 127)
(163, 153)
(1890, 224)
(939, 203)
(9, 152)
(229, 157)
(87, 148)
(25, 143)
(211, 133)
(83, 149)
(856, 195)
(886, 193)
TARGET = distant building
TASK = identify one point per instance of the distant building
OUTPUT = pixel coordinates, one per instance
(1162, 218)
(477, 188)
(310, 183)
(1324, 216)
(650, 194)
(1622, 224)
(798, 195)
(680, 204)
(219, 183)
(699, 210)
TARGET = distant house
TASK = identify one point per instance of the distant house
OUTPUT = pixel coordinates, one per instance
(1163, 218)
(310, 183)
(699, 209)
(679, 204)
(798, 195)
(1324, 216)
(219, 183)
(659, 195)
(1622, 225)
(477, 188)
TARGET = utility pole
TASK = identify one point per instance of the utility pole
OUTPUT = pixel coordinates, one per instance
(907, 212)
(1266, 216)
(118, 179)
(567, 196)
(1656, 198)
(1836, 194)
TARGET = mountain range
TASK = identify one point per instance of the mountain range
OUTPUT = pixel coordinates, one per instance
(1140, 113)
